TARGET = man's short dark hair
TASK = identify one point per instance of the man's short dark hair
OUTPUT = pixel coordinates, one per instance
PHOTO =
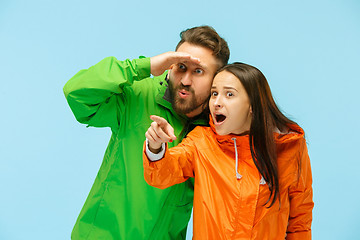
(206, 36)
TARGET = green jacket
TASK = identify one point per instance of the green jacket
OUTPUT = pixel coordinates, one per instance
(121, 205)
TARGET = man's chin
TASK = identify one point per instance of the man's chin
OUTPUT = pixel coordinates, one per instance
(191, 109)
(182, 107)
(182, 110)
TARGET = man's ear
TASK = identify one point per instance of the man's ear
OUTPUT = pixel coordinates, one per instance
(250, 110)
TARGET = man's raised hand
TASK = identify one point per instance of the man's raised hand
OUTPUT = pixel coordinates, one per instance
(161, 63)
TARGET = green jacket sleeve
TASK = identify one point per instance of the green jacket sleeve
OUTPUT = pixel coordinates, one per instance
(96, 95)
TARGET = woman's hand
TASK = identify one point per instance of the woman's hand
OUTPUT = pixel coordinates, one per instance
(160, 131)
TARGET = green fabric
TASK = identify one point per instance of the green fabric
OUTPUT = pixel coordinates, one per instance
(121, 205)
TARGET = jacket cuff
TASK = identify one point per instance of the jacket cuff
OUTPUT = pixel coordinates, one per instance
(299, 236)
(143, 67)
(154, 156)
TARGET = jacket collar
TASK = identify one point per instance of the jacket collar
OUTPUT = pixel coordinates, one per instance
(240, 139)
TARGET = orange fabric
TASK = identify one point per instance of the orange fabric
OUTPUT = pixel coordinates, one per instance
(229, 208)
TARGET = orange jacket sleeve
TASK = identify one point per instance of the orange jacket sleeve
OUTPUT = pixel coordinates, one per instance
(175, 167)
(301, 199)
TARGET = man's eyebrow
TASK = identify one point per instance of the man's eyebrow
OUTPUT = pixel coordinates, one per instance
(201, 65)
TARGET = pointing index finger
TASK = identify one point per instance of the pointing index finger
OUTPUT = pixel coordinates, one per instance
(163, 124)
(159, 120)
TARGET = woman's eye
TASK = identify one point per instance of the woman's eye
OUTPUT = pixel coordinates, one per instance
(199, 71)
(214, 94)
(229, 94)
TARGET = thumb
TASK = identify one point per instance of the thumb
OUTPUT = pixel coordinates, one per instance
(170, 131)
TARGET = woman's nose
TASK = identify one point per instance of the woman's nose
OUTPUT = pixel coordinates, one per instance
(217, 102)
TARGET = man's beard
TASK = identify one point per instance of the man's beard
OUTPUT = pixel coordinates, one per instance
(181, 105)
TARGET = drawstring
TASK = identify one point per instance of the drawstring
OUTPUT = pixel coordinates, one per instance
(262, 181)
(238, 175)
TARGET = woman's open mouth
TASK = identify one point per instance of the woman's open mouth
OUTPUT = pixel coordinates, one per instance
(219, 119)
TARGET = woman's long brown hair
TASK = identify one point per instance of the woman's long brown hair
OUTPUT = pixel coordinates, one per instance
(266, 117)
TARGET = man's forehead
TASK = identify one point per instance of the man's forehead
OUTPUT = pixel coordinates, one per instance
(206, 56)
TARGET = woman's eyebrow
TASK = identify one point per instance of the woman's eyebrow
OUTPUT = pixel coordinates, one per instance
(229, 87)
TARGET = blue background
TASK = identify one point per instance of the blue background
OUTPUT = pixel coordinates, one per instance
(308, 50)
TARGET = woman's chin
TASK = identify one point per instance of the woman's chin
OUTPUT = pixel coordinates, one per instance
(221, 132)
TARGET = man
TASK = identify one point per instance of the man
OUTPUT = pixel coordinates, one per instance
(122, 95)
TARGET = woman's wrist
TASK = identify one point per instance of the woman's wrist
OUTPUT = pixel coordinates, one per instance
(155, 149)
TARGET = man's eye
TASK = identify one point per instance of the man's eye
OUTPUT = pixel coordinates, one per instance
(199, 71)
(229, 94)
(182, 67)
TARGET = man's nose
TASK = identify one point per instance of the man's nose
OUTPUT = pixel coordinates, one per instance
(186, 79)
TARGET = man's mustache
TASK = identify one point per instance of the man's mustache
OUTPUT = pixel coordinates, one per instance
(186, 88)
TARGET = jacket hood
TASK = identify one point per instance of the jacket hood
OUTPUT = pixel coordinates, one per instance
(294, 133)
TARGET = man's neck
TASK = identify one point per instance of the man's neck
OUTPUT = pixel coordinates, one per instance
(195, 113)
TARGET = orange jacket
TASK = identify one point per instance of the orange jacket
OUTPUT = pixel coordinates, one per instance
(229, 208)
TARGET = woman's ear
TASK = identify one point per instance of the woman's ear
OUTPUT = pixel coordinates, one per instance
(250, 110)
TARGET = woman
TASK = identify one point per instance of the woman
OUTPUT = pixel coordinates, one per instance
(251, 166)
